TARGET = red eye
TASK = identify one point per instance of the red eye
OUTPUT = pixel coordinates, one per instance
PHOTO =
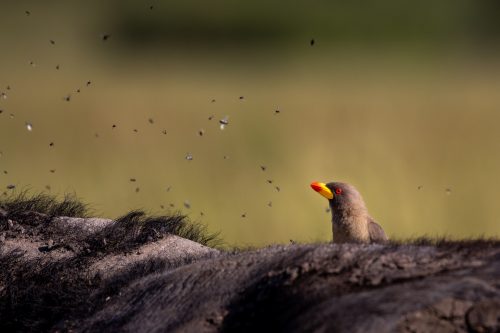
(338, 191)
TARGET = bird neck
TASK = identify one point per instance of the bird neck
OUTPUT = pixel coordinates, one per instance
(345, 216)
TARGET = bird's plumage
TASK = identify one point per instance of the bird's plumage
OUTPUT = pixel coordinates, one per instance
(377, 234)
(351, 222)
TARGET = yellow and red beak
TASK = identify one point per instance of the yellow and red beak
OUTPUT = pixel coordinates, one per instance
(322, 189)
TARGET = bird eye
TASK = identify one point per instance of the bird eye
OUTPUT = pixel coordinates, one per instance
(338, 191)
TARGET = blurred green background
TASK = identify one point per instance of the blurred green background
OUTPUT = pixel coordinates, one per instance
(399, 98)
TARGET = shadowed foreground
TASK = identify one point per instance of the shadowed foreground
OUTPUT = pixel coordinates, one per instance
(138, 274)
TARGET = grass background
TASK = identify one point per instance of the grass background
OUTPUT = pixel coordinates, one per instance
(391, 97)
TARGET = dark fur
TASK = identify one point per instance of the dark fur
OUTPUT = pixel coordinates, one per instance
(136, 228)
(18, 205)
(421, 285)
(36, 294)
(34, 213)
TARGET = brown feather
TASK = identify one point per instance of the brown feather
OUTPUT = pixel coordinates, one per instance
(377, 234)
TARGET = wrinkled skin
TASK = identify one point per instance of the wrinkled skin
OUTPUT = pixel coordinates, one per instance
(451, 286)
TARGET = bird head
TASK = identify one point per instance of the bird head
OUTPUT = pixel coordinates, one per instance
(341, 196)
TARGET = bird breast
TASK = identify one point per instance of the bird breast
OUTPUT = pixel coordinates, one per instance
(352, 228)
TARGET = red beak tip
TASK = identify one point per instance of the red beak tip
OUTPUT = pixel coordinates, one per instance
(316, 187)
